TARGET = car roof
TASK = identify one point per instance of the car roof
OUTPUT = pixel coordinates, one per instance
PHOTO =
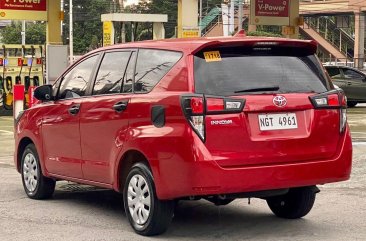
(193, 45)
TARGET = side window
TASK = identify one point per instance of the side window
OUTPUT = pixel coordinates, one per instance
(350, 74)
(151, 67)
(111, 73)
(334, 73)
(75, 83)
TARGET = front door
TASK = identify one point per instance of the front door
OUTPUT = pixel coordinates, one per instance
(61, 138)
(61, 122)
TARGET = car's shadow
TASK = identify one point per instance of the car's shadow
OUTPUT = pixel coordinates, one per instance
(96, 198)
(202, 220)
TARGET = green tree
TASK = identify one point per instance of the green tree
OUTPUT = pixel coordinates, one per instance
(35, 33)
(169, 7)
(88, 28)
(11, 34)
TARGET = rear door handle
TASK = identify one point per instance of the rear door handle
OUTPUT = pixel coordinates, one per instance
(74, 110)
(349, 83)
(120, 106)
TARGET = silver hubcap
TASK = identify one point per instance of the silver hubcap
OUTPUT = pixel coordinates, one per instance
(139, 199)
(30, 172)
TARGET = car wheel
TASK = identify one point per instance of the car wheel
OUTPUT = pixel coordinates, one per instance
(295, 204)
(146, 213)
(36, 185)
(351, 104)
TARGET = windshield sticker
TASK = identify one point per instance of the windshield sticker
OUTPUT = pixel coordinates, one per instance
(212, 56)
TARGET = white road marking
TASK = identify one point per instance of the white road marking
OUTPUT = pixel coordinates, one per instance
(359, 143)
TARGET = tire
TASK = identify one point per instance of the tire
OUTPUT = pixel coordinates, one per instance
(351, 104)
(36, 186)
(295, 204)
(155, 215)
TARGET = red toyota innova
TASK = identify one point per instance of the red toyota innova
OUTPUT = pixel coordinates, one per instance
(211, 118)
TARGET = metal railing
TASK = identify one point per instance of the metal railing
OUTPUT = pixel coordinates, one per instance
(210, 19)
(339, 38)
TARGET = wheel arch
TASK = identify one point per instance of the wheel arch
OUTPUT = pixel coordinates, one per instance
(128, 159)
(23, 143)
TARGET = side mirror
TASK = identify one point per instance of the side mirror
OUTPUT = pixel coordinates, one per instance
(43, 93)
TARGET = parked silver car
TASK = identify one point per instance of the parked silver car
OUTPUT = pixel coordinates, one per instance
(352, 81)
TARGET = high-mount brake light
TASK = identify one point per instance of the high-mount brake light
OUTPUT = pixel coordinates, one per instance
(196, 107)
(334, 99)
(265, 43)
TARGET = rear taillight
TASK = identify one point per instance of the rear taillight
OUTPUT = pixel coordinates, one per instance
(196, 107)
(334, 99)
(343, 117)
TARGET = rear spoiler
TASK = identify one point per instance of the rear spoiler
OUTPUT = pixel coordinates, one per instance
(310, 45)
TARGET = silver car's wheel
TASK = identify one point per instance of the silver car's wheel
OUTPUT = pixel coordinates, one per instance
(139, 199)
(35, 184)
(146, 213)
(30, 172)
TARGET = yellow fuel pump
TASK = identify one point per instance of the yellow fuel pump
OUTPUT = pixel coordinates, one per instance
(22, 64)
(2, 78)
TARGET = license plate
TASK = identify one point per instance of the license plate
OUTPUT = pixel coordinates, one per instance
(281, 121)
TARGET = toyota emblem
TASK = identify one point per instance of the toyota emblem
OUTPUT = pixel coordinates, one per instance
(279, 101)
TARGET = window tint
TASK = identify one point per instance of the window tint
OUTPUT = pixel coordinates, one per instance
(151, 67)
(75, 82)
(334, 72)
(350, 74)
(238, 70)
(111, 73)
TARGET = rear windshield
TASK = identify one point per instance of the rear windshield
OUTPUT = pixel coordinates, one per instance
(237, 70)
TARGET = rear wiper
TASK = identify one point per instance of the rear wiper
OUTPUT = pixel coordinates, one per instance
(269, 88)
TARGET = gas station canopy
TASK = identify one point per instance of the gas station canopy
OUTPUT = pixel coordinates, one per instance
(130, 17)
(156, 19)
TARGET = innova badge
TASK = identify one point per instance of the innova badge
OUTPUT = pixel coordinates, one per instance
(279, 101)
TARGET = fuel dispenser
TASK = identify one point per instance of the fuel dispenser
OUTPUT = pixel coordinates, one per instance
(21, 64)
(2, 83)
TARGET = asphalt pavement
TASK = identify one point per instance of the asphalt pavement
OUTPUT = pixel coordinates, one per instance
(79, 212)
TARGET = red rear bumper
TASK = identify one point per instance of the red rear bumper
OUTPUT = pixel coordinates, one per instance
(206, 177)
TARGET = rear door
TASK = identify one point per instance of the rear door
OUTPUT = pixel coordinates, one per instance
(60, 125)
(104, 116)
(278, 123)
